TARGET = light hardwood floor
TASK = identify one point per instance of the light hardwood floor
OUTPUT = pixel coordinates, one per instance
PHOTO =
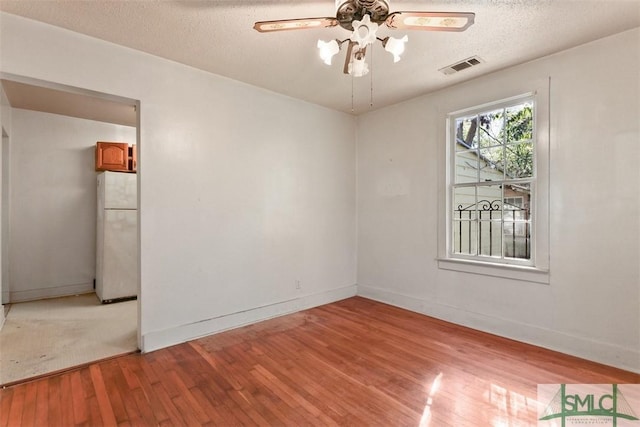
(354, 362)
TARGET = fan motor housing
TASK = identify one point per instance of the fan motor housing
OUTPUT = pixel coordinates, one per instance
(354, 10)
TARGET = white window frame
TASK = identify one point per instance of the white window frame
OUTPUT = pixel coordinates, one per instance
(535, 269)
(452, 170)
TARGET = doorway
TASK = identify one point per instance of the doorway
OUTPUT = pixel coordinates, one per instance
(48, 213)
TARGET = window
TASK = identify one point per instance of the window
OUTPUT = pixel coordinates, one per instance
(493, 186)
(492, 183)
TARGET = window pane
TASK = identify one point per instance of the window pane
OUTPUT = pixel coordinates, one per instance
(464, 225)
(492, 164)
(517, 240)
(490, 238)
(490, 198)
(517, 224)
(466, 166)
(520, 122)
(517, 201)
(466, 133)
(464, 203)
(519, 161)
(491, 130)
(465, 237)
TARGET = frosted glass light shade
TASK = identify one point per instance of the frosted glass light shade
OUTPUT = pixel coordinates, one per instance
(395, 47)
(327, 50)
(358, 67)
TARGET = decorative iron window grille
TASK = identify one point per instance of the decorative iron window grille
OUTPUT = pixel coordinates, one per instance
(493, 228)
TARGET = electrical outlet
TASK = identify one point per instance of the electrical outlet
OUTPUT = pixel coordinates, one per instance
(298, 284)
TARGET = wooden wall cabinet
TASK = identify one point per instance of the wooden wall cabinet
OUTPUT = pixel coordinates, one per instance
(116, 156)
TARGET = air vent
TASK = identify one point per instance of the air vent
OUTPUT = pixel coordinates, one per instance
(462, 65)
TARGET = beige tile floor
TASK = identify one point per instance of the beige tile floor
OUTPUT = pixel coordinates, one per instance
(45, 336)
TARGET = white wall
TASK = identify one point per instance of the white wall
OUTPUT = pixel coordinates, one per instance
(591, 307)
(242, 191)
(52, 247)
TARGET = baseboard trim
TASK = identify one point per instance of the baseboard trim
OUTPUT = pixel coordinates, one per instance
(54, 292)
(156, 340)
(596, 351)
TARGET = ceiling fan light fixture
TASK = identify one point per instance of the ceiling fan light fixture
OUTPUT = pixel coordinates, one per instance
(395, 46)
(328, 50)
(362, 18)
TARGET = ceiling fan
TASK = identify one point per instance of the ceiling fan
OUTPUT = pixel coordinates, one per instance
(362, 18)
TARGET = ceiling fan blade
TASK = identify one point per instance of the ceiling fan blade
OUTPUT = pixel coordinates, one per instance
(430, 21)
(294, 24)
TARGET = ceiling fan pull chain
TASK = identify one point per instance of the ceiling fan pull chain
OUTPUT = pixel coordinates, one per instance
(352, 77)
(371, 82)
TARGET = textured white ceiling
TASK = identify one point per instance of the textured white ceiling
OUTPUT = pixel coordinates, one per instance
(217, 36)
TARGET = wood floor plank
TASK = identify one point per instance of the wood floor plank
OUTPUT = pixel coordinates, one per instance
(193, 405)
(354, 362)
(79, 402)
(55, 401)
(167, 403)
(102, 397)
(66, 409)
(148, 403)
(6, 398)
(220, 366)
(137, 405)
(126, 365)
(135, 414)
(29, 409)
(272, 356)
(17, 405)
(145, 412)
(42, 403)
(287, 394)
(117, 389)
(241, 396)
(213, 413)
(94, 418)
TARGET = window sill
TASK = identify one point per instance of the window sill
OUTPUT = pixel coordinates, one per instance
(515, 272)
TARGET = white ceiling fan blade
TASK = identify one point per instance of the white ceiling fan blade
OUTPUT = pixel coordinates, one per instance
(294, 24)
(430, 21)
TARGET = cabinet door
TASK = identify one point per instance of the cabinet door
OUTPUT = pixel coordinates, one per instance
(113, 156)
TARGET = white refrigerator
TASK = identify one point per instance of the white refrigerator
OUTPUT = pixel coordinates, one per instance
(117, 237)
